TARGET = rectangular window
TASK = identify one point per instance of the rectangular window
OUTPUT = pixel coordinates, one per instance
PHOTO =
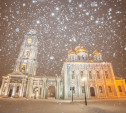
(100, 89)
(90, 75)
(73, 77)
(109, 89)
(98, 75)
(106, 74)
(81, 74)
(120, 89)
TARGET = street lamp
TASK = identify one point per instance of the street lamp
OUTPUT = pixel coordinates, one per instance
(72, 88)
(83, 79)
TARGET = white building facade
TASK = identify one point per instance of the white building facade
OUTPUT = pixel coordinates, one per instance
(99, 79)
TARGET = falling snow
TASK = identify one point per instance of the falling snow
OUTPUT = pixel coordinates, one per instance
(62, 25)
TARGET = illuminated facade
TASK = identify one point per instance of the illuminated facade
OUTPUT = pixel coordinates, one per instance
(100, 81)
(23, 82)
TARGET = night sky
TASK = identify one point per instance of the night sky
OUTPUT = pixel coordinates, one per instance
(62, 25)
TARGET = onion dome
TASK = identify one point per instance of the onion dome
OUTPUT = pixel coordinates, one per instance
(80, 49)
(66, 60)
(71, 52)
(96, 52)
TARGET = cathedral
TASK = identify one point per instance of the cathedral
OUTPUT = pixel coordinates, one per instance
(80, 76)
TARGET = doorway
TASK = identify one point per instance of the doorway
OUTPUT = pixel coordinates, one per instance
(10, 93)
(92, 91)
(51, 91)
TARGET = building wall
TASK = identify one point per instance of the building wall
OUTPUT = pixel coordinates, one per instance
(104, 84)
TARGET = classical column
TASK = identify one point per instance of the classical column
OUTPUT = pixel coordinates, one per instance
(58, 88)
(44, 87)
(23, 86)
(41, 90)
(13, 92)
(8, 82)
(20, 91)
(2, 86)
(28, 87)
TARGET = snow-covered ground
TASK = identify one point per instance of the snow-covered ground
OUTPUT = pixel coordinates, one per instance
(8, 105)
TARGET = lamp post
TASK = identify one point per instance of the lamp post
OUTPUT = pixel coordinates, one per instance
(72, 89)
(85, 91)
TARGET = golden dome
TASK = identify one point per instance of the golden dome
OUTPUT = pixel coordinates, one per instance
(96, 52)
(71, 52)
(67, 60)
(80, 49)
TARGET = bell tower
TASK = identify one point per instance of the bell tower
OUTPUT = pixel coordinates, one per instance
(27, 59)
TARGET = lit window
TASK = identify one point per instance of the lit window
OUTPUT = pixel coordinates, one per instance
(100, 89)
(23, 66)
(26, 53)
(120, 89)
(29, 41)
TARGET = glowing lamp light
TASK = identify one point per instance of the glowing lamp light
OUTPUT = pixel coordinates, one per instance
(84, 79)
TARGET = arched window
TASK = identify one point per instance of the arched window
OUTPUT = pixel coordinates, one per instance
(81, 74)
(27, 53)
(98, 75)
(78, 57)
(109, 89)
(29, 41)
(23, 66)
(73, 77)
(120, 89)
(106, 74)
(100, 89)
(90, 75)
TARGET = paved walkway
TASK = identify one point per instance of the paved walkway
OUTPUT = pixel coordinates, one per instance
(13, 105)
